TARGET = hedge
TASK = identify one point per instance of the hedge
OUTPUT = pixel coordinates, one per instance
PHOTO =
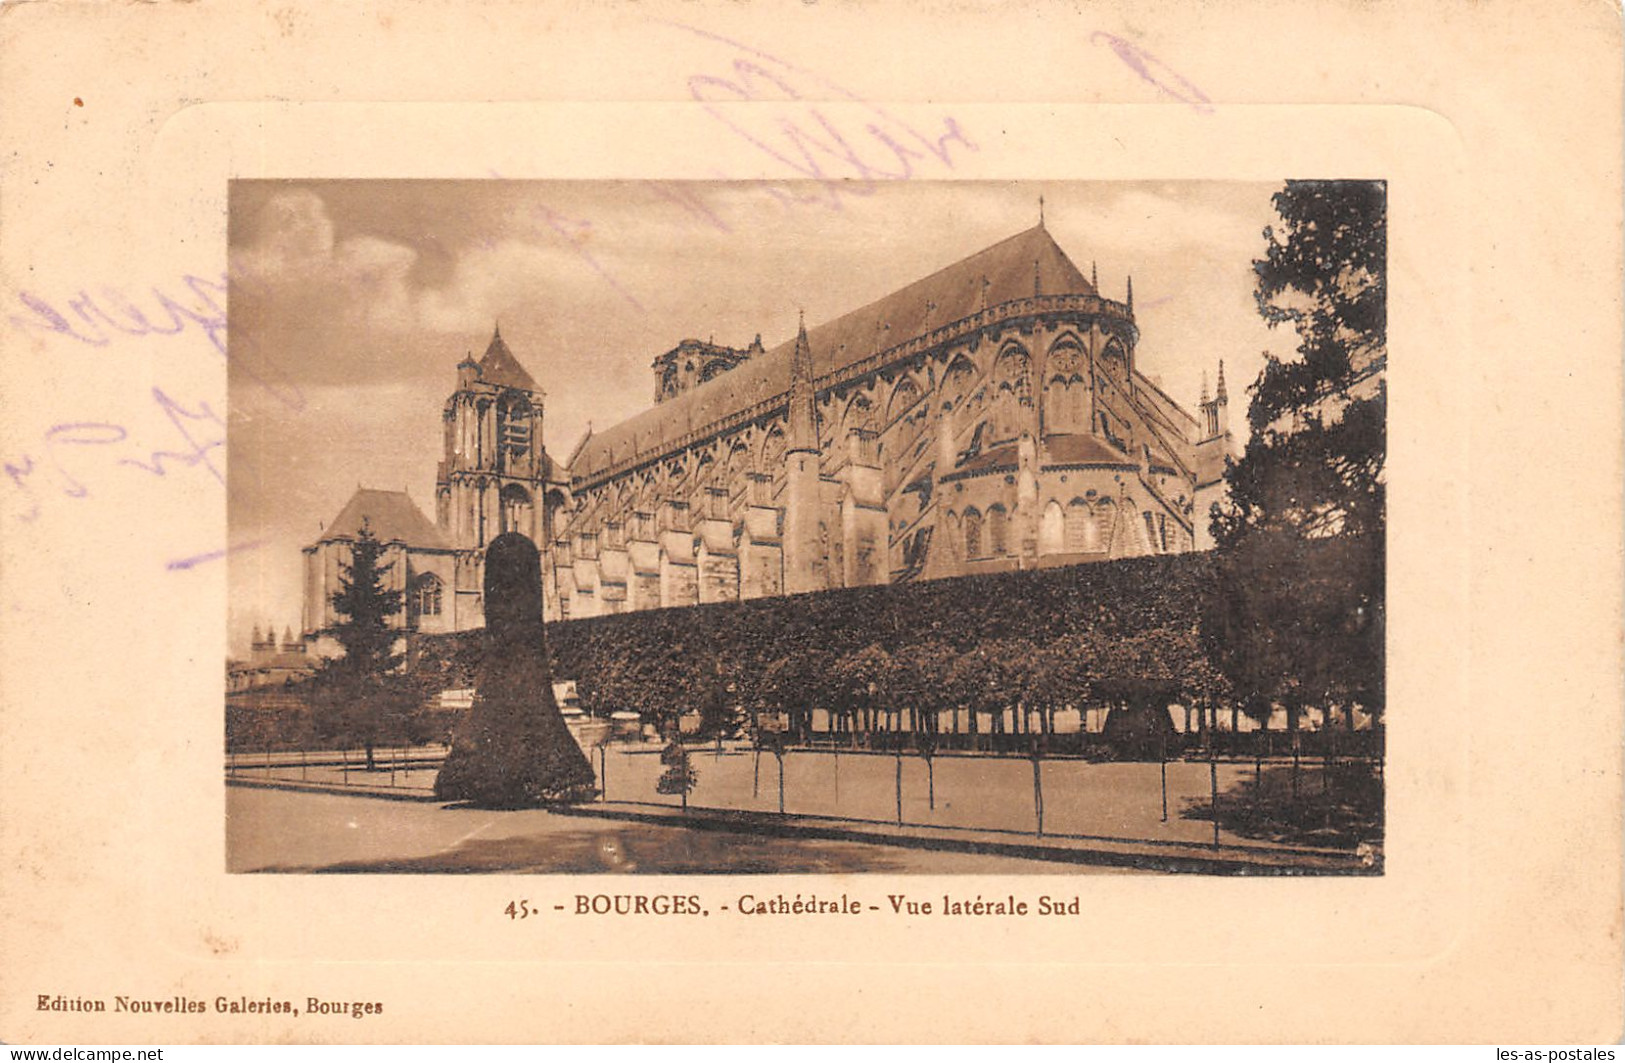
(1118, 620)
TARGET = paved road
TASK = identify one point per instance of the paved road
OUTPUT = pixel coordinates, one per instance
(274, 830)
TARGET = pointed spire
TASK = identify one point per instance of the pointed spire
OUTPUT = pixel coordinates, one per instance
(1131, 293)
(1040, 211)
(1094, 277)
(803, 415)
(801, 362)
(287, 636)
(255, 638)
(1220, 396)
(1204, 387)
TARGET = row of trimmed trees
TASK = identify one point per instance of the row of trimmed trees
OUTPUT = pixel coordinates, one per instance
(1010, 686)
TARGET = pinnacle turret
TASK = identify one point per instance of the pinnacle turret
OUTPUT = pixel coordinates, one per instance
(803, 416)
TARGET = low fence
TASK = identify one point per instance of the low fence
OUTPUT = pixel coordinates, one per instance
(394, 767)
(1097, 745)
(1181, 800)
(1196, 795)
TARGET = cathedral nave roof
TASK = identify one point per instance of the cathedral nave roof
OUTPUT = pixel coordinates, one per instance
(1007, 269)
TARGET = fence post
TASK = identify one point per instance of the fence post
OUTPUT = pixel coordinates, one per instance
(1038, 790)
(603, 774)
(344, 758)
(1213, 783)
(1162, 758)
(898, 757)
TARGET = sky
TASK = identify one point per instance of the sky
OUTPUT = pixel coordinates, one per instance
(353, 301)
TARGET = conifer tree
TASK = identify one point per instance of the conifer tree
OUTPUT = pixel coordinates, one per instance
(359, 699)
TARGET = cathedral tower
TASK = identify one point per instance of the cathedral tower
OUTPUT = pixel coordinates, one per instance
(493, 474)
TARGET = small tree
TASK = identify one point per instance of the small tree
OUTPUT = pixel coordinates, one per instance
(718, 695)
(679, 776)
(358, 698)
(864, 678)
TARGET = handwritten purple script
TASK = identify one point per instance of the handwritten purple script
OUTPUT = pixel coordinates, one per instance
(1144, 63)
(840, 160)
(69, 454)
(199, 431)
(819, 144)
(96, 326)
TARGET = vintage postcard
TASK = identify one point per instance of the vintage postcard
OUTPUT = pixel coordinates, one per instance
(659, 508)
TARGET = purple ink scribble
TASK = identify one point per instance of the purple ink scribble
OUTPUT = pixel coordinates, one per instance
(79, 434)
(98, 321)
(841, 160)
(199, 428)
(95, 326)
(196, 452)
(679, 193)
(1141, 62)
(182, 564)
(577, 232)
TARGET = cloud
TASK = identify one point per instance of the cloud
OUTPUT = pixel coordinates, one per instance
(299, 274)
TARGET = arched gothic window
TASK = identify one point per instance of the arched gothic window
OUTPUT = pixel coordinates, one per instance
(998, 532)
(1105, 522)
(426, 595)
(957, 382)
(773, 448)
(904, 396)
(1052, 530)
(1079, 526)
(973, 534)
(1014, 368)
(516, 509)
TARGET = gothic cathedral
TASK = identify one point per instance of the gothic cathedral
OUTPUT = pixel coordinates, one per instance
(991, 416)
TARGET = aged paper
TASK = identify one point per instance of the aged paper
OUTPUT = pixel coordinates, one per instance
(1497, 131)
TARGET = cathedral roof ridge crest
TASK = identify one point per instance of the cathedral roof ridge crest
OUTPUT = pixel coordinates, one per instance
(997, 274)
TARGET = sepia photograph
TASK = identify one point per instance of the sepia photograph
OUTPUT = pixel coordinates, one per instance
(747, 527)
